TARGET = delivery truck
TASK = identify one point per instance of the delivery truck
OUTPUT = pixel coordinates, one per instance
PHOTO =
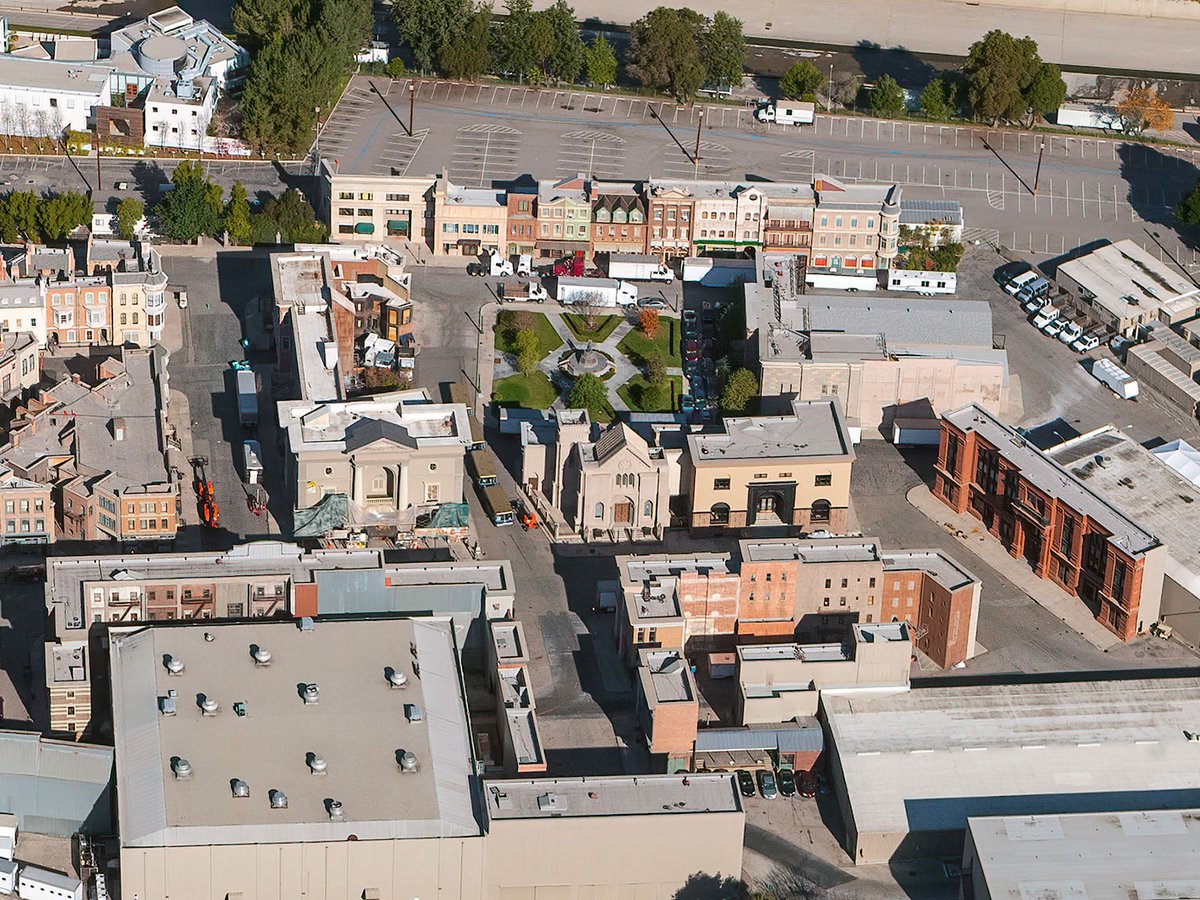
(521, 291)
(787, 112)
(1117, 379)
(247, 398)
(838, 282)
(595, 292)
(491, 264)
(636, 267)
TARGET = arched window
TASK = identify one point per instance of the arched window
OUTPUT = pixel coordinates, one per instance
(719, 514)
(599, 510)
(648, 510)
(820, 511)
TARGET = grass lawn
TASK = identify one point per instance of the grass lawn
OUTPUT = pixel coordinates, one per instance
(633, 393)
(605, 325)
(636, 345)
(526, 391)
(548, 339)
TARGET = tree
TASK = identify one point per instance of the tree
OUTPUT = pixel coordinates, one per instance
(541, 44)
(295, 219)
(512, 40)
(656, 369)
(1046, 92)
(725, 50)
(665, 51)
(526, 350)
(566, 59)
(939, 99)
(468, 55)
(601, 62)
(22, 208)
(129, 212)
(802, 78)
(261, 22)
(740, 390)
(237, 214)
(1142, 108)
(999, 69)
(193, 207)
(887, 97)
(648, 322)
(395, 68)
(1188, 210)
(428, 25)
(61, 214)
(589, 393)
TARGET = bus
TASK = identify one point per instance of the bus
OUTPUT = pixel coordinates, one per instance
(497, 505)
(481, 468)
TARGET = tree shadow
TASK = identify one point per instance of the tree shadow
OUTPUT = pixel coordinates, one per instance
(1157, 181)
(148, 177)
(702, 886)
(909, 70)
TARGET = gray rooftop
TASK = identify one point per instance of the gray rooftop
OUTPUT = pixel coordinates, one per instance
(815, 430)
(1016, 748)
(827, 550)
(1142, 855)
(1049, 475)
(56, 76)
(50, 878)
(616, 795)
(923, 212)
(407, 418)
(55, 787)
(359, 727)
(941, 568)
(1126, 280)
(665, 677)
(803, 734)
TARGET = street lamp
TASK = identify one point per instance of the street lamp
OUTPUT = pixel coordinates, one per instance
(317, 143)
(830, 108)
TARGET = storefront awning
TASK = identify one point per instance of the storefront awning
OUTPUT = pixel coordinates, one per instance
(364, 228)
(565, 246)
(468, 242)
(397, 225)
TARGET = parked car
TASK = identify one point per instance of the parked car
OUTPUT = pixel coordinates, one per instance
(689, 317)
(1086, 344)
(745, 783)
(787, 782)
(808, 785)
(1045, 317)
(1035, 304)
(766, 785)
(653, 303)
(686, 404)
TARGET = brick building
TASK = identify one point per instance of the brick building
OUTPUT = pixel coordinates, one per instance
(1046, 515)
(618, 218)
(671, 210)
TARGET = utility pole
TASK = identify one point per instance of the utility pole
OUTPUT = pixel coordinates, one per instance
(99, 183)
(829, 107)
(1038, 174)
(412, 106)
(696, 155)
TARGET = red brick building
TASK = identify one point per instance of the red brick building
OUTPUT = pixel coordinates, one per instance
(1044, 514)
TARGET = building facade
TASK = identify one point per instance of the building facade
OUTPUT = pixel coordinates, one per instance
(618, 218)
(522, 220)
(670, 210)
(564, 216)
(369, 208)
(20, 365)
(468, 221)
(855, 227)
(1048, 516)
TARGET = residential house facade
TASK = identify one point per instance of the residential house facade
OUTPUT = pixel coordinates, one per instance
(670, 210)
(855, 227)
(564, 216)
(522, 201)
(618, 218)
(468, 221)
(20, 365)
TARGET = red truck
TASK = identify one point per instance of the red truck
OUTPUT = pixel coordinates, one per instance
(571, 266)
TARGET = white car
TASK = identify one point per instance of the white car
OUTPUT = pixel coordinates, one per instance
(1036, 304)
(1086, 344)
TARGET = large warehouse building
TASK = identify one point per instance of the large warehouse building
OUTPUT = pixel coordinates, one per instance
(328, 760)
(910, 769)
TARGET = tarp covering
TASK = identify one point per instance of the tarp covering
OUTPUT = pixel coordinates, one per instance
(329, 513)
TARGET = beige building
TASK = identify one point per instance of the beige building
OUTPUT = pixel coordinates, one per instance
(383, 459)
(790, 470)
(876, 354)
(374, 208)
(855, 227)
(777, 682)
(269, 762)
(516, 705)
(28, 510)
(727, 216)
(20, 365)
(468, 221)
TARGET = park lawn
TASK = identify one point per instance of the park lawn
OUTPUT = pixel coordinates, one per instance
(533, 391)
(636, 345)
(633, 392)
(548, 339)
(605, 325)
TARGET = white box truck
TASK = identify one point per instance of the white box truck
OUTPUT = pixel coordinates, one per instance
(635, 267)
(247, 398)
(787, 112)
(1089, 115)
(922, 282)
(851, 283)
(719, 272)
(594, 292)
(521, 291)
(252, 467)
(1117, 379)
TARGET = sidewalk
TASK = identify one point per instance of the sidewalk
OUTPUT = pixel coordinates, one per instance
(970, 532)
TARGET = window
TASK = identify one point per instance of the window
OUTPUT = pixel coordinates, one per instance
(720, 484)
(820, 511)
(719, 514)
(823, 480)
(828, 583)
(871, 582)
(432, 492)
(599, 511)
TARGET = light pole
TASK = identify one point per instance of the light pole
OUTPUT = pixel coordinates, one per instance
(830, 105)
(317, 143)
(696, 155)
(412, 106)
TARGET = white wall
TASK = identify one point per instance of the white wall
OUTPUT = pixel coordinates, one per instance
(175, 124)
(37, 113)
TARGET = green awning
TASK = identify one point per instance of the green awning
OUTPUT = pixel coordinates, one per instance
(397, 225)
(364, 228)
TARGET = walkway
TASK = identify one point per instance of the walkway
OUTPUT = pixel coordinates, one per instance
(970, 532)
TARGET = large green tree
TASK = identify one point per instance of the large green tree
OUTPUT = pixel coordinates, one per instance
(741, 388)
(802, 78)
(541, 45)
(527, 351)
(428, 25)
(589, 393)
(666, 52)
(567, 58)
(468, 55)
(61, 214)
(261, 22)
(129, 212)
(939, 100)
(192, 207)
(1046, 92)
(999, 70)
(601, 62)
(512, 39)
(1188, 210)
(237, 214)
(725, 50)
(21, 208)
(887, 97)
(296, 221)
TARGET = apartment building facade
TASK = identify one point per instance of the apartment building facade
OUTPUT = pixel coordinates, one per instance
(28, 510)
(20, 365)
(468, 221)
(1046, 515)
(522, 201)
(564, 217)
(855, 227)
(670, 209)
(618, 218)
(23, 308)
(371, 208)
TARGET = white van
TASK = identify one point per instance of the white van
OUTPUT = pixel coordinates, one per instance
(1020, 281)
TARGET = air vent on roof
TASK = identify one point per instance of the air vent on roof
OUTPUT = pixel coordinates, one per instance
(407, 760)
(412, 712)
(311, 694)
(278, 799)
(174, 664)
(208, 636)
(394, 678)
(549, 802)
(239, 788)
(181, 767)
(306, 624)
(317, 764)
(260, 655)
(209, 706)
(166, 706)
(335, 811)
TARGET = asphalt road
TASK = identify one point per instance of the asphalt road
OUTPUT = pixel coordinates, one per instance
(1087, 188)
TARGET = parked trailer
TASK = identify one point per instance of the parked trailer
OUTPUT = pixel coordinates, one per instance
(922, 282)
(1117, 379)
(717, 272)
(247, 398)
(851, 283)
(1089, 115)
(788, 113)
(595, 292)
(636, 267)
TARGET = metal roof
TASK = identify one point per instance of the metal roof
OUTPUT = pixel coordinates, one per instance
(797, 738)
(55, 787)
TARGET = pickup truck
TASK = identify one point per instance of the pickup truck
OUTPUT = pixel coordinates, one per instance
(1045, 317)
(518, 291)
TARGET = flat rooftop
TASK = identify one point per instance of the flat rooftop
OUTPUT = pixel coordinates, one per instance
(1126, 280)
(665, 677)
(360, 727)
(827, 550)
(1016, 749)
(52, 75)
(815, 430)
(1130, 476)
(1049, 475)
(1140, 855)
(636, 795)
(508, 638)
(922, 212)
(937, 565)
(407, 418)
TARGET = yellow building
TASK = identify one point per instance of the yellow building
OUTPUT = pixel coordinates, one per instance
(467, 221)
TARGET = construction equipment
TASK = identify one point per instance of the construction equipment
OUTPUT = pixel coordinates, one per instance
(210, 512)
(529, 519)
